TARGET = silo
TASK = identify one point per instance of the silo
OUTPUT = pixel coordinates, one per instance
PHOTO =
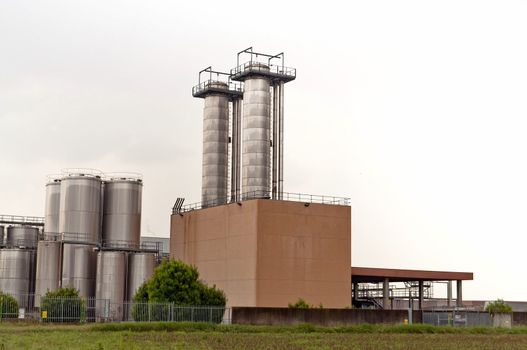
(21, 236)
(1, 235)
(48, 271)
(80, 208)
(15, 273)
(52, 208)
(79, 265)
(110, 288)
(215, 146)
(122, 213)
(256, 164)
(140, 268)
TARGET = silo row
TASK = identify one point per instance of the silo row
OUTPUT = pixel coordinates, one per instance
(89, 225)
(17, 262)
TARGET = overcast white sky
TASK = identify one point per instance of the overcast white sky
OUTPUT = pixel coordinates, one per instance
(415, 109)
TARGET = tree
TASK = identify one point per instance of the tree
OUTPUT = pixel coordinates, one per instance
(300, 304)
(63, 305)
(174, 286)
(498, 306)
(8, 306)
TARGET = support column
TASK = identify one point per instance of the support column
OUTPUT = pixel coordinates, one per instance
(385, 294)
(355, 296)
(421, 292)
(449, 294)
(459, 296)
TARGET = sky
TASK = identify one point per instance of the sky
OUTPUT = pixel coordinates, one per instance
(414, 109)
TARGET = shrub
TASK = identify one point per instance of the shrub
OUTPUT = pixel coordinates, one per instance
(300, 304)
(498, 306)
(63, 305)
(174, 292)
(8, 306)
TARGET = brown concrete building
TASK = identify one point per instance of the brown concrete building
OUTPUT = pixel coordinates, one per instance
(268, 252)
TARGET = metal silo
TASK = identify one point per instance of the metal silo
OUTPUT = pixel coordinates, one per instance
(21, 236)
(1, 235)
(48, 270)
(256, 163)
(79, 266)
(110, 289)
(215, 146)
(15, 273)
(52, 208)
(122, 213)
(140, 268)
(80, 208)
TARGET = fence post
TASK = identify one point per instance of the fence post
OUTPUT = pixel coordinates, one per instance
(210, 318)
(192, 313)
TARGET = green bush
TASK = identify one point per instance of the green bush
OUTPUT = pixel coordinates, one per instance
(174, 292)
(498, 306)
(8, 306)
(63, 305)
(300, 304)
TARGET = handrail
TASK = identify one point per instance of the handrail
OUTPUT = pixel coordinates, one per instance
(22, 220)
(286, 196)
(264, 68)
(231, 86)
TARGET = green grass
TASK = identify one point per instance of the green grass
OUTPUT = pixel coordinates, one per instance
(208, 336)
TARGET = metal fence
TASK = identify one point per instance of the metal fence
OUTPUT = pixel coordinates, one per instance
(79, 310)
(457, 318)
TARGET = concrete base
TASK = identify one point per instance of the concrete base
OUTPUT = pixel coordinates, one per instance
(269, 253)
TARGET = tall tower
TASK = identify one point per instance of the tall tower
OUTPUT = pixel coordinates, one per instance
(263, 98)
(218, 91)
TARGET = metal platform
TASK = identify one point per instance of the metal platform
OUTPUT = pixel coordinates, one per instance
(22, 220)
(233, 90)
(275, 73)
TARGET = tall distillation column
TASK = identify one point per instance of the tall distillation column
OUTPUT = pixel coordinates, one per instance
(263, 115)
(217, 94)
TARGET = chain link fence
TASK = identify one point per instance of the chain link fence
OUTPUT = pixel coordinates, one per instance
(80, 310)
(457, 318)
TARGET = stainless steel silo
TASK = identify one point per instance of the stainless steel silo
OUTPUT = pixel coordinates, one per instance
(1, 235)
(110, 287)
(80, 208)
(122, 213)
(52, 208)
(256, 155)
(15, 273)
(79, 267)
(140, 268)
(21, 236)
(48, 270)
(215, 147)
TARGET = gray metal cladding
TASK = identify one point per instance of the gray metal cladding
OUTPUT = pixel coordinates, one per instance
(79, 267)
(111, 275)
(215, 161)
(48, 269)
(22, 236)
(122, 213)
(52, 207)
(256, 157)
(15, 272)
(140, 268)
(80, 209)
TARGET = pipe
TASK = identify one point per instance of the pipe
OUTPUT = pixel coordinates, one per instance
(276, 141)
(281, 147)
(234, 150)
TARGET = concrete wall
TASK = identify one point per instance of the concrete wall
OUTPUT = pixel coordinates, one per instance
(269, 253)
(322, 317)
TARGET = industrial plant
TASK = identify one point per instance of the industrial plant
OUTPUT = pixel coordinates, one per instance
(261, 245)
(89, 239)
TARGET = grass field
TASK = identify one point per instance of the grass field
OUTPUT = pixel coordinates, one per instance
(203, 336)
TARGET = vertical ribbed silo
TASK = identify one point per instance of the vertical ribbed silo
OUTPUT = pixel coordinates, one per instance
(48, 271)
(256, 163)
(15, 273)
(215, 146)
(140, 268)
(122, 213)
(52, 208)
(21, 237)
(110, 286)
(79, 267)
(80, 208)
